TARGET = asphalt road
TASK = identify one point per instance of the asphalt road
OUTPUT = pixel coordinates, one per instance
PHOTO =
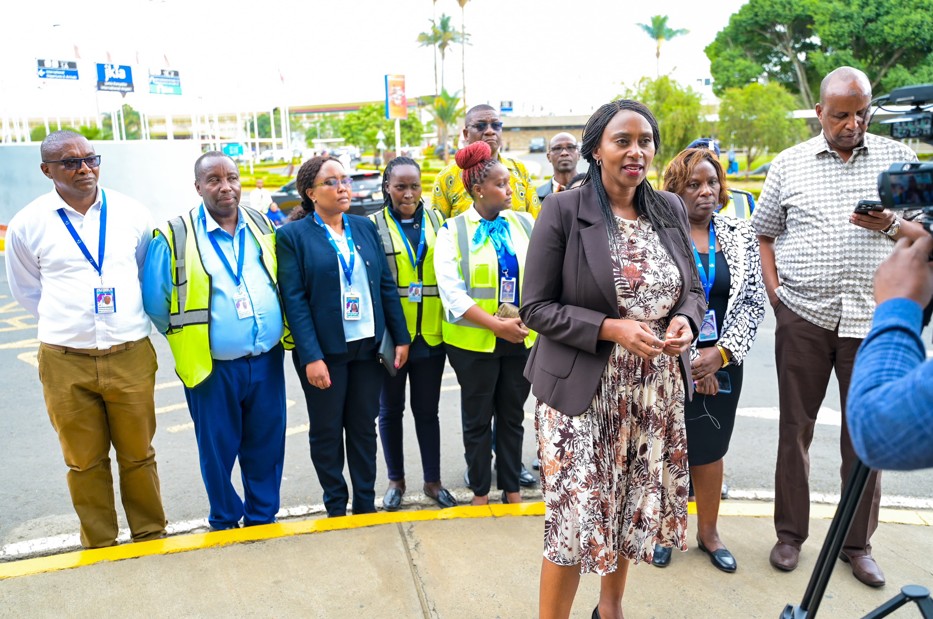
(34, 500)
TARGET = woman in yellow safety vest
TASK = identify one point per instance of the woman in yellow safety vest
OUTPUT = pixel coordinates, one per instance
(479, 260)
(408, 229)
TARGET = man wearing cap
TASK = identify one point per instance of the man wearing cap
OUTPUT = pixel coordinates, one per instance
(73, 260)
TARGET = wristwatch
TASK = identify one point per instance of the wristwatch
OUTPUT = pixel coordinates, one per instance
(892, 230)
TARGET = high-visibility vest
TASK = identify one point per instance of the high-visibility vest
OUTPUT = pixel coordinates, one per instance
(424, 317)
(741, 204)
(189, 323)
(480, 272)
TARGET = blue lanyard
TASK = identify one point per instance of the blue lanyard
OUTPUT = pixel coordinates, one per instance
(223, 258)
(415, 261)
(99, 264)
(707, 281)
(347, 269)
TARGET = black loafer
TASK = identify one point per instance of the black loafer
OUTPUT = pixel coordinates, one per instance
(444, 498)
(393, 499)
(662, 556)
(526, 478)
(721, 558)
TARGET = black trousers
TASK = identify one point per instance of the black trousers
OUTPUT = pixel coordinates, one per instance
(492, 385)
(346, 411)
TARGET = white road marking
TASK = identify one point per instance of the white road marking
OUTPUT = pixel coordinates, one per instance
(27, 343)
(171, 408)
(31, 357)
(168, 385)
(826, 416)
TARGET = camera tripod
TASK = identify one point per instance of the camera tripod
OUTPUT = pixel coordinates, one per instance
(848, 502)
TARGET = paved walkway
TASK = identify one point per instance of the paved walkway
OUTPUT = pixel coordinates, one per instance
(470, 562)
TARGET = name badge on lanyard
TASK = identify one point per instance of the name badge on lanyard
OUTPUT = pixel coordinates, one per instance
(352, 302)
(241, 300)
(708, 330)
(105, 299)
(415, 289)
(507, 289)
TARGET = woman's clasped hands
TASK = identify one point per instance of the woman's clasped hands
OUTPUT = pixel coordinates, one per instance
(637, 338)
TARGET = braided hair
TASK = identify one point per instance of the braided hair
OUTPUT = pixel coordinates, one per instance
(304, 180)
(475, 161)
(647, 202)
(387, 174)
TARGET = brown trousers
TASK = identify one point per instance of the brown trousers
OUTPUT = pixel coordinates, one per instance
(806, 355)
(96, 401)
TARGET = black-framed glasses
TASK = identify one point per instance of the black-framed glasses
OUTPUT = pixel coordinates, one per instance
(346, 181)
(75, 164)
(570, 148)
(483, 125)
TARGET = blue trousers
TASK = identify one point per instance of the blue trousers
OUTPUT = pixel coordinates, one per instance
(345, 412)
(425, 374)
(239, 412)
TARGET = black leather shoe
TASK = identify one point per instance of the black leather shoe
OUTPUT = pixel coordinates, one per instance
(393, 499)
(526, 478)
(721, 558)
(662, 556)
(595, 614)
(505, 498)
(444, 498)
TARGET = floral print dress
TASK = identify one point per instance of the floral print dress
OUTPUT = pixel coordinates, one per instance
(615, 479)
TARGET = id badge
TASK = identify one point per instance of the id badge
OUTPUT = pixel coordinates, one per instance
(507, 290)
(414, 292)
(708, 332)
(105, 301)
(244, 307)
(351, 305)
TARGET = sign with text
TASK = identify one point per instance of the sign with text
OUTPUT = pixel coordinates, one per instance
(396, 102)
(56, 69)
(233, 149)
(114, 77)
(166, 82)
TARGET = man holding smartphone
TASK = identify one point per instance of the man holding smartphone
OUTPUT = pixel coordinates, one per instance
(818, 258)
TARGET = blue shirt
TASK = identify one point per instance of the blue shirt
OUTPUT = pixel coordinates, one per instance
(890, 405)
(232, 337)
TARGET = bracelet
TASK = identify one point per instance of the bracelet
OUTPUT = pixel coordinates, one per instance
(722, 353)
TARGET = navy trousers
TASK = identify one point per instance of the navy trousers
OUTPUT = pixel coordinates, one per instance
(239, 412)
(425, 373)
(345, 414)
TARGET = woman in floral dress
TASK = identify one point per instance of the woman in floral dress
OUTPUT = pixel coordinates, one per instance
(612, 289)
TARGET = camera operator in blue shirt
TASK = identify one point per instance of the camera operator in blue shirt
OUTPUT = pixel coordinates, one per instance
(890, 404)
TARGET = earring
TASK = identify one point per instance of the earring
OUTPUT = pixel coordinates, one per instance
(480, 196)
(599, 163)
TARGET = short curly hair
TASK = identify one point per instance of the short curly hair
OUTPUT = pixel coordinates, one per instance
(682, 167)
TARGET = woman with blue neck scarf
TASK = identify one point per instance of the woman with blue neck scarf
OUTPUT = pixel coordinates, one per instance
(479, 259)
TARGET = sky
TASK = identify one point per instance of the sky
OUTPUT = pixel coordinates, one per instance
(547, 56)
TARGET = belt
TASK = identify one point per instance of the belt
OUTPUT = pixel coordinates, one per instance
(94, 352)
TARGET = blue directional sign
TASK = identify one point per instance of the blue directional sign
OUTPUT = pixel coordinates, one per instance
(166, 82)
(114, 77)
(233, 149)
(56, 69)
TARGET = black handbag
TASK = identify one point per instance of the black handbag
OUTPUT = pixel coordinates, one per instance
(386, 353)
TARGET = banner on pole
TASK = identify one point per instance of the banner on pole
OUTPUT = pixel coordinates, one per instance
(56, 69)
(114, 77)
(396, 102)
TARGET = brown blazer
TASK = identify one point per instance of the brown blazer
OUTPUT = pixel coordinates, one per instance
(568, 291)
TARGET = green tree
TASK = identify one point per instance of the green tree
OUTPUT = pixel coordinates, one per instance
(757, 117)
(361, 127)
(322, 126)
(678, 110)
(660, 32)
(446, 110)
(441, 36)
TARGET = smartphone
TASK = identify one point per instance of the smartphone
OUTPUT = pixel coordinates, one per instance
(866, 206)
(725, 383)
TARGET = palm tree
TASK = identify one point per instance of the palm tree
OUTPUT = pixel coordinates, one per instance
(463, 43)
(660, 32)
(441, 36)
(446, 110)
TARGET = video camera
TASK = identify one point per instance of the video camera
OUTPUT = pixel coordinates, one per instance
(909, 186)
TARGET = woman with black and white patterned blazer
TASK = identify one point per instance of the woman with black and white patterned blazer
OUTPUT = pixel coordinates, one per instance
(728, 259)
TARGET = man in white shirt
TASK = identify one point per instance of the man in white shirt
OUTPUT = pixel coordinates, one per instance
(260, 199)
(73, 260)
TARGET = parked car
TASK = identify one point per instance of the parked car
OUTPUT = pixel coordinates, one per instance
(366, 193)
(537, 145)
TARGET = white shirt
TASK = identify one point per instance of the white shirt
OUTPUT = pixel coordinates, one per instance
(366, 326)
(260, 199)
(50, 277)
(450, 284)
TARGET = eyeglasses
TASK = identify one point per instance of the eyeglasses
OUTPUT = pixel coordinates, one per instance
(346, 181)
(75, 164)
(570, 148)
(483, 125)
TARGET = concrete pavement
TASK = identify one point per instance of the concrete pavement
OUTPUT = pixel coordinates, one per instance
(470, 562)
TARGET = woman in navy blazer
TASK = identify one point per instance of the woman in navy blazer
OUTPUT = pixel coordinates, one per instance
(339, 298)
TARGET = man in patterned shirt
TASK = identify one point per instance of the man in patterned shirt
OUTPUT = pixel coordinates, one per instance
(450, 196)
(817, 260)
